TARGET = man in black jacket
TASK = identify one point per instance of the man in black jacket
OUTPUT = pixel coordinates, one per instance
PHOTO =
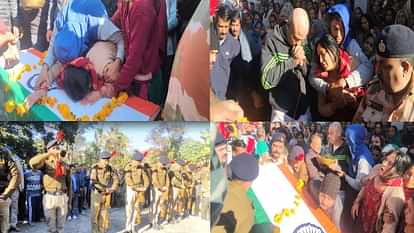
(284, 68)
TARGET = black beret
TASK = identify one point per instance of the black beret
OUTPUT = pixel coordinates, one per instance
(52, 143)
(244, 167)
(181, 162)
(281, 137)
(396, 41)
(105, 155)
(138, 156)
(164, 160)
(238, 143)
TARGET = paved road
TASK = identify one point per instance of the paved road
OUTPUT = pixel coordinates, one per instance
(82, 225)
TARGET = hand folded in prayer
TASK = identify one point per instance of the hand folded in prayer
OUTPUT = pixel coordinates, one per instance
(111, 71)
(34, 97)
(91, 98)
(299, 55)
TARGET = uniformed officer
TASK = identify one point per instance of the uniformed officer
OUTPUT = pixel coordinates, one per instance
(178, 190)
(137, 182)
(391, 96)
(161, 183)
(189, 183)
(105, 181)
(56, 183)
(9, 181)
(237, 214)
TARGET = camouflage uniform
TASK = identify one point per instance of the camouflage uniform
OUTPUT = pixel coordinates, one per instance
(377, 106)
(9, 181)
(105, 180)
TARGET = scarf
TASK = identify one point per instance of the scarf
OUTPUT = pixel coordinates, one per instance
(84, 63)
(344, 69)
(246, 54)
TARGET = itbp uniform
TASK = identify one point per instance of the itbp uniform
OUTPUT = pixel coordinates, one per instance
(9, 181)
(395, 41)
(56, 184)
(137, 182)
(161, 184)
(104, 180)
(237, 214)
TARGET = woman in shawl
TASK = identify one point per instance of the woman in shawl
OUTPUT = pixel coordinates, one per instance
(333, 65)
(380, 202)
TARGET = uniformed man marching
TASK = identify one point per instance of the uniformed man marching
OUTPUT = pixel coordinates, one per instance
(161, 183)
(244, 169)
(137, 182)
(391, 96)
(9, 181)
(189, 183)
(105, 181)
(56, 184)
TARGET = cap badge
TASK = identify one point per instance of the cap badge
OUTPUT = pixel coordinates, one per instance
(381, 46)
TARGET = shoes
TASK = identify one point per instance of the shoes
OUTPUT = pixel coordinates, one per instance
(69, 218)
(15, 229)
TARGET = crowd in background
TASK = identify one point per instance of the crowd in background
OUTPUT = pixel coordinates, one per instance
(27, 206)
(360, 175)
(240, 74)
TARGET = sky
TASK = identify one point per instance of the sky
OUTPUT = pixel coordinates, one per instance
(138, 131)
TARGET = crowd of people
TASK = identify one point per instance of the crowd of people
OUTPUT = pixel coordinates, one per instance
(312, 60)
(361, 176)
(54, 191)
(93, 49)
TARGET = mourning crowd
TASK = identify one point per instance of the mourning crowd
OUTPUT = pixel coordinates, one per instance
(320, 60)
(361, 176)
(96, 48)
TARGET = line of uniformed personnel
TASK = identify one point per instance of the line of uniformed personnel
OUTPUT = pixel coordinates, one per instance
(172, 189)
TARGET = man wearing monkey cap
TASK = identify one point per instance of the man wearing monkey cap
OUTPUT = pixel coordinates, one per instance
(391, 96)
(56, 184)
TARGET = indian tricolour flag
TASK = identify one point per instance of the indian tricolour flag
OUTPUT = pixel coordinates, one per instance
(274, 190)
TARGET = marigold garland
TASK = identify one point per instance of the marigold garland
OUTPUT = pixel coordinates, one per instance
(68, 115)
(64, 110)
(286, 212)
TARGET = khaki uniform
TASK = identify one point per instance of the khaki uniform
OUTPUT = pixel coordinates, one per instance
(179, 193)
(237, 215)
(104, 178)
(189, 183)
(9, 181)
(160, 182)
(377, 106)
(137, 182)
(56, 190)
